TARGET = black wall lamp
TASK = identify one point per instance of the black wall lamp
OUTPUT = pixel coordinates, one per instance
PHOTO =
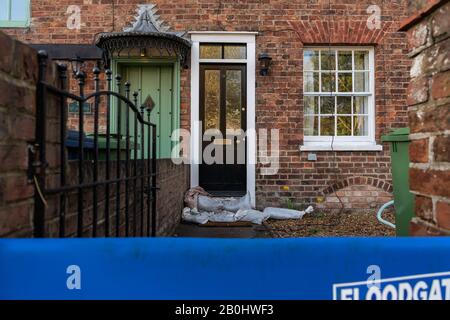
(266, 61)
(77, 64)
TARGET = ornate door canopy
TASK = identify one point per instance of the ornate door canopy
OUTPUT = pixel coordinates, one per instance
(148, 34)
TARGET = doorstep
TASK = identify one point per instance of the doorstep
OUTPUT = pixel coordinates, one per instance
(187, 230)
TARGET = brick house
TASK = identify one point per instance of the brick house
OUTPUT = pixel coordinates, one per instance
(330, 76)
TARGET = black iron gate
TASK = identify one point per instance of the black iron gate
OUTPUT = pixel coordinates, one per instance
(127, 173)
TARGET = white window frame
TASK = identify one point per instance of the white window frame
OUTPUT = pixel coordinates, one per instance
(238, 37)
(347, 143)
(9, 23)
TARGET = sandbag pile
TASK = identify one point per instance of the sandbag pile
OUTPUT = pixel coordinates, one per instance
(202, 208)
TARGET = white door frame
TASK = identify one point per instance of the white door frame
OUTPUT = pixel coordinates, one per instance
(243, 37)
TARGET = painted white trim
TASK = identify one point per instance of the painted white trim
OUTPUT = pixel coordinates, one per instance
(248, 38)
(221, 33)
(320, 146)
(223, 61)
(348, 143)
(251, 120)
(223, 37)
(195, 114)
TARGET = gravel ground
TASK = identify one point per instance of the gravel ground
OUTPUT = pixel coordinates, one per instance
(320, 224)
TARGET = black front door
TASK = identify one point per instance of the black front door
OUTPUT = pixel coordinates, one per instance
(223, 115)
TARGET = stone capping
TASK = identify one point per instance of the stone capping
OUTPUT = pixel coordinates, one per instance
(375, 182)
(432, 6)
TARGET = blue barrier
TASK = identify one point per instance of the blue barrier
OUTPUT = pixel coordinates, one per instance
(175, 268)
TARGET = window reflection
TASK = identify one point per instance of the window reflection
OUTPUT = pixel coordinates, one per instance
(19, 10)
(233, 99)
(212, 99)
(223, 51)
(4, 9)
(235, 52)
(210, 51)
(337, 89)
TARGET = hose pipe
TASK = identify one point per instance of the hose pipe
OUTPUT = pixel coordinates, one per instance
(380, 212)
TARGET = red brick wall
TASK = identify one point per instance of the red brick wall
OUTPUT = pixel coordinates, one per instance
(284, 27)
(415, 5)
(18, 78)
(171, 179)
(88, 88)
(429, 114)
(357, 193)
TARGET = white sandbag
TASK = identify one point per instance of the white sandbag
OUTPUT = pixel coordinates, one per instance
(191, 196)
(309, 210)
(223, 216)
(282, 214)
(253, 216)
(194, 216)
(234, 205)
(209, 204)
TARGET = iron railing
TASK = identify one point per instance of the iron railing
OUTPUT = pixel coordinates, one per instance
(135, 171)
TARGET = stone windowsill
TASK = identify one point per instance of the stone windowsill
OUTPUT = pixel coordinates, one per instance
(341, 147)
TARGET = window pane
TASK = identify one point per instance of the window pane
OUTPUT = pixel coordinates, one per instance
(328, 60)
(362, 82)
(360, 105)
(74, 107)
(311, 126)
(19, 10)
(345, 60)
(233, 99)
(344, 105)
(4, 9)
(311, 60)
(340, 71)
(328, 82)
(210, 51)
(344, 126)
(212, 99)
(360, 124)
(311, 105)
(327, 126)
(345, 82)
(235, 52)
(326, 105)
(361, 60)
(311, 82)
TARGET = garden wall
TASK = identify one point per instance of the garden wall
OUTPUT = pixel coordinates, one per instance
(172, 181)
(18, 77)
(429, 117)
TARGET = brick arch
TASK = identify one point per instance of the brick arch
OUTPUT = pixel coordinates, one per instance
(350, 181)
(339, 32)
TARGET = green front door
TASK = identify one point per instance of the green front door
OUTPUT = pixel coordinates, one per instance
(158, 82)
